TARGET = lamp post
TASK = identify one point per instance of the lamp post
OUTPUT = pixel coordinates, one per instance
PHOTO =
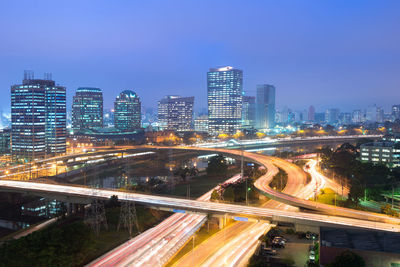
(241, 169)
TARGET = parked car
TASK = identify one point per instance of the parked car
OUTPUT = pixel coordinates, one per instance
(311, 257)
(270, 251)
(278, 242)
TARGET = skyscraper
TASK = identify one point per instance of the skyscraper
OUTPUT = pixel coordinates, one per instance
(357, 116)
(395, 112)
(265, 107)
(56, 119)
(87, 109)
(38, 118)
(127, 111)
(332, 115)
(224, 96)
(249, 111)
(311, 114)
(176, 113)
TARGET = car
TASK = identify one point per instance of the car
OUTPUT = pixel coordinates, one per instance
(278, 242)
(269, 251)
(312, 256)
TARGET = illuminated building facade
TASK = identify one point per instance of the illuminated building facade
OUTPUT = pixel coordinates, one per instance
(38, 118)
(176, 113)
(265, 107)
(127, 111)
(87, 109)
(224, 96)
(249, 112)
(201, 124)
(384, 152)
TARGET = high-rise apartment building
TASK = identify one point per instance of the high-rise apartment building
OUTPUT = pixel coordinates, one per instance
(87, 109)
(265, 106)
(357, 116)
(38, 118)
(332, 115)
(224, 96)
(127, 111)
(249, 112)
(176, 113)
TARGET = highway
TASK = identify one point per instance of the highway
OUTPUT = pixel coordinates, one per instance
(270, 142)
(172, 203)
(375, 222)
(234, 245)
(155, 246)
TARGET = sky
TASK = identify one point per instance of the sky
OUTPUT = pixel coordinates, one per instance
(328, 53)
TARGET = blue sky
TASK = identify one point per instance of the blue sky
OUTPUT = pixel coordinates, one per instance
(342, 54)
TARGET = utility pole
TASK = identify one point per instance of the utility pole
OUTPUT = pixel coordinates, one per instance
(241, 169)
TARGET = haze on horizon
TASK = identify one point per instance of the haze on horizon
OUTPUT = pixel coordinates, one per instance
(342, 54)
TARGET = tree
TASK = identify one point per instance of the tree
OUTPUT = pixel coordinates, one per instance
(348, 259)
(229, 194)
(215, 195)
(217, 165)
(387, 209)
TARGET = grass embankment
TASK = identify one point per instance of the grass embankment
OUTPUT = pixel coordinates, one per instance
(279, 181)
(201, 235)
(69, 242)
(201, 184)
(328, 196)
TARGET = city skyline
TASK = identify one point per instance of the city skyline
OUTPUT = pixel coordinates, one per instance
(333, 61)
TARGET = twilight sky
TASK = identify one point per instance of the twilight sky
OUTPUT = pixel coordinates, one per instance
(333, 53)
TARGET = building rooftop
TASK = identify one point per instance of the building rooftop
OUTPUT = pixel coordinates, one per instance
(225, 68)
(88, 89)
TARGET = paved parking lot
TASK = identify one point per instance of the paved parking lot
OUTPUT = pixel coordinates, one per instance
(295, 249)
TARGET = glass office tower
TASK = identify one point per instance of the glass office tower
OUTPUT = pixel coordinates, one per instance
(224, 95)
(38, 118)
(56, 120)
(249, 112)
(176, 113)
(127, 111)
(265, 106)
(87, 109)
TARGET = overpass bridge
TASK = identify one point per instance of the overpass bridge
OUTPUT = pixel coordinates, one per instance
(73, 195)
(286, 141)
(77, 194)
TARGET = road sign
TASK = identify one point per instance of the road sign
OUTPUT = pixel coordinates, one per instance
(178, 211)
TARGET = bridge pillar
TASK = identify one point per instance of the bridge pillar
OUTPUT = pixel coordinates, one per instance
(69, 208)
(222, 221)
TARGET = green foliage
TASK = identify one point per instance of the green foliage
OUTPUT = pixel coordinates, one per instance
(256, 261)
(184, 172)
(215, 195)
(229, 194)
(57, 245)
(347, 259)
(112, 202)
(254, 173)
(217, 165)
(279, 181)
(387, 209)
(364, 178)
(236, 192)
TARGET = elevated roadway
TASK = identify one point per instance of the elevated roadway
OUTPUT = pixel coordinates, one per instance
(196, 206)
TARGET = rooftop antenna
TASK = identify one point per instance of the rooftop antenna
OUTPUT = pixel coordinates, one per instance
(28, 75)
(48, 76)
